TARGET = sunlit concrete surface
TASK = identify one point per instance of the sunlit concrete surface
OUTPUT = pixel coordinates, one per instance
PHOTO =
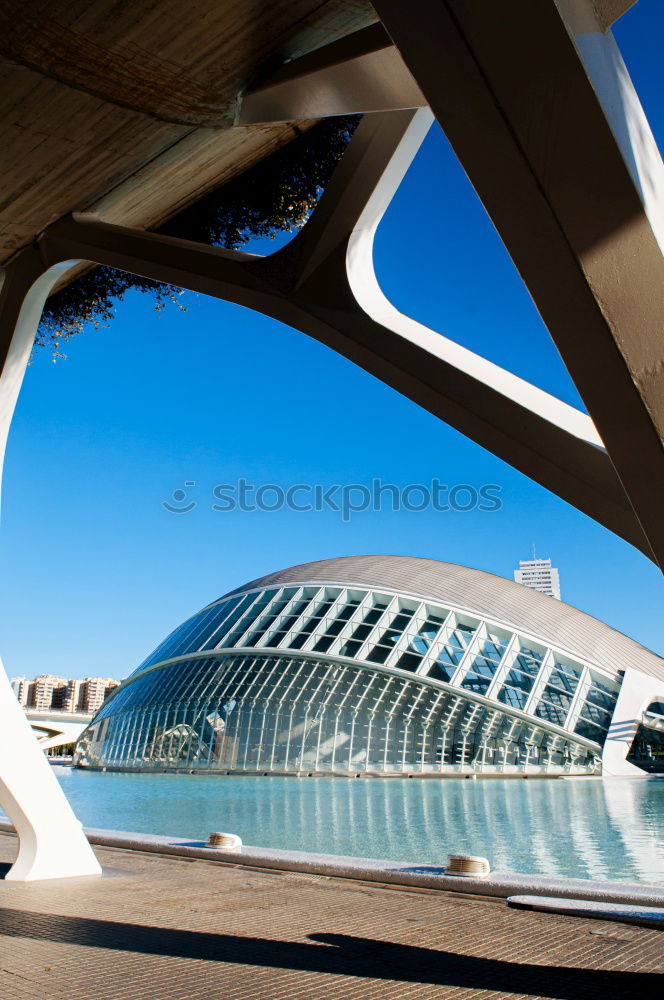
(57, 729)
(160, 927)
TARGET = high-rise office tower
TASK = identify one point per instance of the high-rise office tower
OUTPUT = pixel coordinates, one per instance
(540, 575)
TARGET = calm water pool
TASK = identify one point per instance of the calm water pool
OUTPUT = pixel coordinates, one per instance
(583, 828)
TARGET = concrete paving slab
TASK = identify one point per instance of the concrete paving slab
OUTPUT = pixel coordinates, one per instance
(183, 928)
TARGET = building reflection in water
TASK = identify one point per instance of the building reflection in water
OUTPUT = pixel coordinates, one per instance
(579, 827)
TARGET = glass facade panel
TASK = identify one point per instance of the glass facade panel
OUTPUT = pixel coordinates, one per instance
(242, 618)
(601, 698)
(484, 665)
(560, 699)
(551, 713)
(332, 700)
(450, 656)
(589, 731)
(441, 671)
(596, 715)
(527, 664)
(560, 681)
(409, 661)
(280, 713)
(378, 654)
(568, 666)
(516, 697)
(495, 645)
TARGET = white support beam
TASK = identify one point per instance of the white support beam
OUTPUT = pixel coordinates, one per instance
(51, 840)
(323, 284)
(541, 112)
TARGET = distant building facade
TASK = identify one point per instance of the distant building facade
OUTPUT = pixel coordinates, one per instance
(540, 575)
(47, 692)
(50, 693)
(21, 686)
(93, 691)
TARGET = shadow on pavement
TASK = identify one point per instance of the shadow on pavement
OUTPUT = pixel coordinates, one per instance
(336, 954)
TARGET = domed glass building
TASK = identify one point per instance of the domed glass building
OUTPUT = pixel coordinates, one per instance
(382, 665)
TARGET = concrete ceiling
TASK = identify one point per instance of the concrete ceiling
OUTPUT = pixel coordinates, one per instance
(127, 108)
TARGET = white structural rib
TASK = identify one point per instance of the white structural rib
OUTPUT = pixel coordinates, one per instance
(51, 840)
(364, 283)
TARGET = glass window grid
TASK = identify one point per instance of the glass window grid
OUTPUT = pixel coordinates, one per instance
(450, 655)
(360, 627)
(415, 640)
(477, 683)
(590, 731)
(332, 625)
(255, 629)
(244, 619)
(519, 681)
(602, 698)
(176, 638)
(551, 713)
(385, 610)
(284, 625)
(292, 634)
(386, 636)
(569, 667)
(387, 629)
(514, 697)
(324, 618)
(310, 621)
(441, 672)
(527, 664)
(597, 715)
(605, 684)
(443, 660)
(495, 643)
(356, 620)
(560, 699)
(262, 623)
(459, 635)
(402, 633)
(195, 634)
(390, 638)
(563, 681)
(234, 611)
(531, 649)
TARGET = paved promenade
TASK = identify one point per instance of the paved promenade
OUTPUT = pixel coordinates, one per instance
(172, 929)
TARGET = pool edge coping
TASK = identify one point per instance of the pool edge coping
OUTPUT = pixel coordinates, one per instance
(421, 876)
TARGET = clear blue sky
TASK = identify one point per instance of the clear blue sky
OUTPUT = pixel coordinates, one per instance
(96, 571)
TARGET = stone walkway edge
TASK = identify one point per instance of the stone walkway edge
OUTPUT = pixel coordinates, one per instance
(422, 876)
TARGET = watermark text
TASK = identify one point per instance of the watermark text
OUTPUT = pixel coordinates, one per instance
(345, 499)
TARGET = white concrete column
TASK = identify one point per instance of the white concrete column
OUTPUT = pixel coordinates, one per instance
(51, 840)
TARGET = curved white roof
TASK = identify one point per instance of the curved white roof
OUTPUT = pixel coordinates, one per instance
(488, 596)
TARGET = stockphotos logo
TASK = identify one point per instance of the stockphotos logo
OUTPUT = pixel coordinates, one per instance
(346, 499)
